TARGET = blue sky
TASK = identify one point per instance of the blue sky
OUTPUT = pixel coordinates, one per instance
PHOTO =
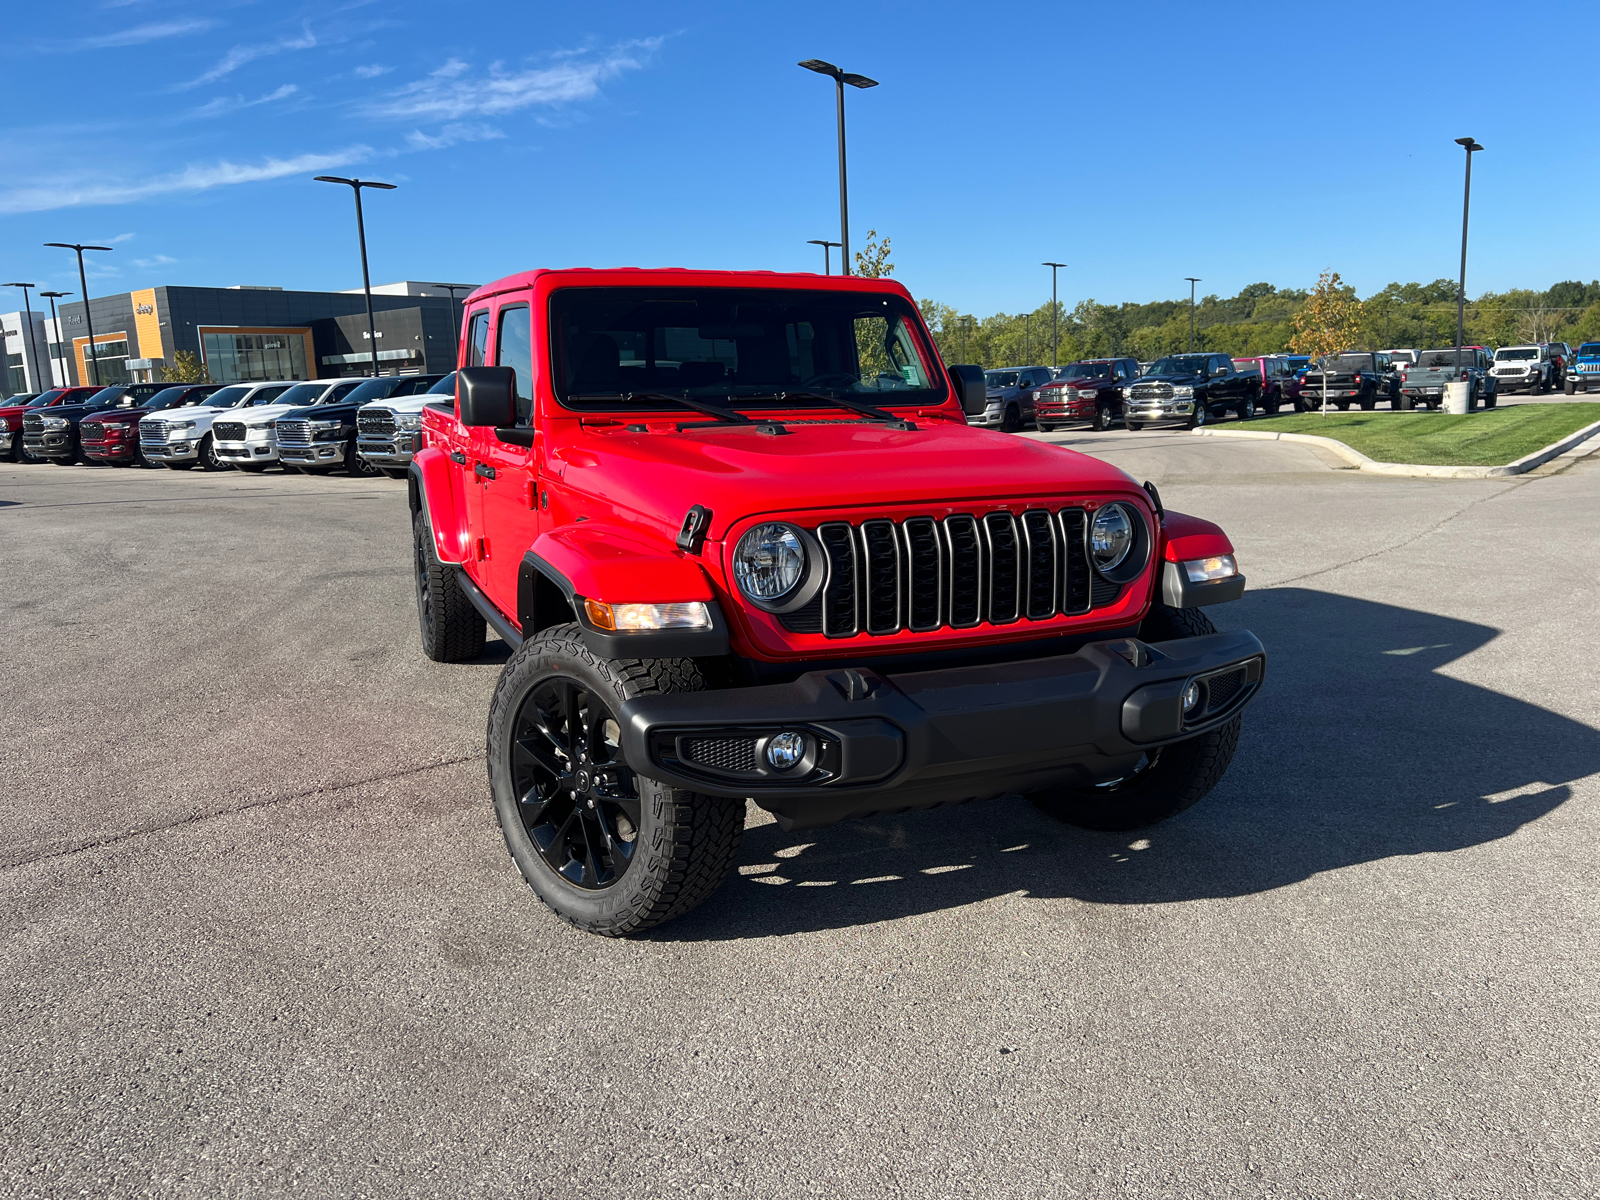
(1137, 142)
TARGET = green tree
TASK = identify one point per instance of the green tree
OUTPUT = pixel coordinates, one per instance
(1328, 322)
(872, 260)
(186, 368)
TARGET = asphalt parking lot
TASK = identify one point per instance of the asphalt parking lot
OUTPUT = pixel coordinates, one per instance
(264, 939)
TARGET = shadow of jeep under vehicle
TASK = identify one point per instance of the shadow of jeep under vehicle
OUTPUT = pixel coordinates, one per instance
(1357, 750)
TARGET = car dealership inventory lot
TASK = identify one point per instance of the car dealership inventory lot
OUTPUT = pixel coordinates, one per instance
(265, 936)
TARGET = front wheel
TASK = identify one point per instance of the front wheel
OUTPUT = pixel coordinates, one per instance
(606, 849)
(1012, 421)
(209, 459)
(1571, 388)
(355, 465)
(1199, 417)
(1103, 418)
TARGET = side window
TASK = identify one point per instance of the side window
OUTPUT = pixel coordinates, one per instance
(478, 338)
(513, 347)
(342, 390)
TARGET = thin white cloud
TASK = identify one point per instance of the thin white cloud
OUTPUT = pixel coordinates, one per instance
(240, 55)
(227, 104)
(44, 197)
(450, 135)
(372, 71)
(140, 34)
(155, 260)
(451, 92)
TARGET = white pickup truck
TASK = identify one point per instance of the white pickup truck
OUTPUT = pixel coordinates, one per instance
(180, 437)
(246, 440)
(389, 431)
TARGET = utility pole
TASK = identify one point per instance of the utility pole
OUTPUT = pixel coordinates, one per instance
(1471, 147)
(33, 351)
(827, 266)
(355, 185)
(840, 78)
(455, 319)
(1192, 281)
(88, 317)
(1055, 314)
(55, 319)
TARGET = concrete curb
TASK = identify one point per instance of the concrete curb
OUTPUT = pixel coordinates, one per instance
(1360, 461)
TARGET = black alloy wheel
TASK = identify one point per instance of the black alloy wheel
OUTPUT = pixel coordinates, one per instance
(1011, 422)
(578, 799)
(357, 466)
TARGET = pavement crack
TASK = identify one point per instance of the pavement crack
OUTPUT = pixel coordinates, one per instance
(1401, 545)
(226, 811)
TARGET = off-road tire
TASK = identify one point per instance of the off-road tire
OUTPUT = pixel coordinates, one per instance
(686, 843)
(394, 472)
(1400, 404)
(452, 630)
(1571, 388)
(1011, 422)
(1168, 781)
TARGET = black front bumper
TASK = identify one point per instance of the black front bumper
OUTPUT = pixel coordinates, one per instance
(891, 743)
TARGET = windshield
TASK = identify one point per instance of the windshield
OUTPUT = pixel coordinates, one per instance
(1589, 350)
(167, 397)
(445, 386)
(1531, 352)
(226, 398)
(1085, 370)
(1001, 379)
(299, 395)
(375, 389)
(267, 395)
(741, 345)
(1181, 364)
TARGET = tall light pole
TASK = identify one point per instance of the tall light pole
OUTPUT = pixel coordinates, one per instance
(455, 321)
(1055, 312)
(1471, 147)
(840, 78)
(88, 318)
(33, 352)
(1192, 281)
(355, 185)
(827, 268)
(55, 319)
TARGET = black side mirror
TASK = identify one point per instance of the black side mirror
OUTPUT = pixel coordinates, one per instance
(969, 386)
(487, 396)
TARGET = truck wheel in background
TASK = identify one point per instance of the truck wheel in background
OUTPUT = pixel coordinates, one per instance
(1132, 426)
(355, 465)
(1272, 404)
(1198, 418)
(1401, 403)
(1489, 399)
(395, 472)
(607, 850)
(1104, 418)
(208, 456)
(452, 630)
(1247, 410)
(1572, 388)
(1165, 781)
(1012, 421)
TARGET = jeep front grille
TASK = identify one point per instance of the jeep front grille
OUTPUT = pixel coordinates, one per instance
(966, 570)
(375, 424)
(228, 431)
(294, 433)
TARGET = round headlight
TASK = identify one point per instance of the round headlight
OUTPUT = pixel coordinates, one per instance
(1110, 537)
(769, 562)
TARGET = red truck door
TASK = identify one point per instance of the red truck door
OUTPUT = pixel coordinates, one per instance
(504, 465)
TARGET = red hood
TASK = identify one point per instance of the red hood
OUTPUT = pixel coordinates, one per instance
(738, 472)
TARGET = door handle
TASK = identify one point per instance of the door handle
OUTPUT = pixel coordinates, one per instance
(457, 457)
(483, 470)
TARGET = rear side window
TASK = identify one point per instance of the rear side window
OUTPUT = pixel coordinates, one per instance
(513, 347)
(478, 339)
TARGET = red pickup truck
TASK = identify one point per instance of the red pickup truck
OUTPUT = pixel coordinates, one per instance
(744, 544)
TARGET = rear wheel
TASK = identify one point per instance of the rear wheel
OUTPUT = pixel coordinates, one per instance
(452, 630)
(1401, 403)
(1247, 410)
(607, 850)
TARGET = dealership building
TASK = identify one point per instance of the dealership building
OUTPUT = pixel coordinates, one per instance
(245, 334)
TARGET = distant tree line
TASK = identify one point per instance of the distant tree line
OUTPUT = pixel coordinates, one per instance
(1260, 320)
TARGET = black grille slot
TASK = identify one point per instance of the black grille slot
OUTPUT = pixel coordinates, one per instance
(1039, 533)
(1075, 561)
(228, 431)
(966, 571)
(722, 754)
(1221, 689)
(1005, 564)
(925, 588)
(1104, 592)
(881, 558)
(839, 592)
(805, 620)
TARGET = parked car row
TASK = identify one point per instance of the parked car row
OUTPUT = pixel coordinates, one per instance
(362, 426)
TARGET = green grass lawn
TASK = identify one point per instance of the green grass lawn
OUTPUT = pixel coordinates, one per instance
(1480, 439)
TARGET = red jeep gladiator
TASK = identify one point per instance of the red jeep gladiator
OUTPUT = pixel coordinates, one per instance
(745, 545)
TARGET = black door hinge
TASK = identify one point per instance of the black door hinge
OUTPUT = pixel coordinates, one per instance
(692, 535)
(457, 457)
(483, 470)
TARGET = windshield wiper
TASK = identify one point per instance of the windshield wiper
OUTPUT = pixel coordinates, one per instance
(860, 406)
(720, 411)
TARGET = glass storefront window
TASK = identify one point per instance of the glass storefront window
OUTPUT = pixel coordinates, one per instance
(254, 357)
(112, 359)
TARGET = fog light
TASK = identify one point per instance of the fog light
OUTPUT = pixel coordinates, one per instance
(1191, 697)
(785, 750)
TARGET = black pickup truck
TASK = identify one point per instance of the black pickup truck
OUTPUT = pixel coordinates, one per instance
(1341, 380)
(56, 434)
(321, 437)
(1191, 388)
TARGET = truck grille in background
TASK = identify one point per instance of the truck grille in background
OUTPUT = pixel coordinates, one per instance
(32, 423)
(294, 433)
(228, 431)
(922, 573)
(154, 432)
(1152, 391)
(376, 424)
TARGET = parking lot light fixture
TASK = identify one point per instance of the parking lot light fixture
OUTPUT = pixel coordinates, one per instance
(840, 78)
(455, 321)
(33, 352)
(827, 267)
(1471, 146)
(1055, 314)
(1192, 281)
(355, 185)
(55, 319)
(88, 318)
